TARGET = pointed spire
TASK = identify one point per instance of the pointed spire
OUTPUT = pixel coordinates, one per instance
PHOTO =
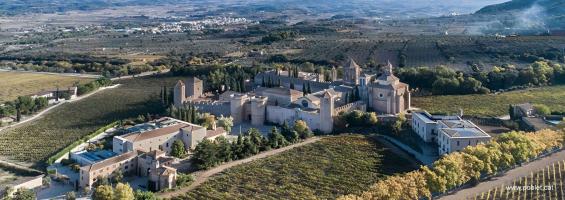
(179, 83)
(351, 64)
(388, 68)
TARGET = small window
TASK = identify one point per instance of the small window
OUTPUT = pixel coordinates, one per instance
(457, 143)
(381, 95)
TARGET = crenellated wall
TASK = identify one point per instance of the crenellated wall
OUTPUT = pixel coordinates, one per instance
(358, 105)
(285, 81)
(217, 108)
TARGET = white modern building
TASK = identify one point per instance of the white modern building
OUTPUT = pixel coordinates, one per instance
(455, 135)
(451, 133)
(426, 124)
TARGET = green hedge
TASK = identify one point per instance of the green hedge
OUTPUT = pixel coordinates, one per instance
(67, 149)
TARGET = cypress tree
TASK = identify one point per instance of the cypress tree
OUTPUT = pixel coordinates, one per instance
(242, 85)
(291, 85)
(165, 95)
(263, 82)
(193, 114)
(309, 89)
(161, 96)
(304, 93)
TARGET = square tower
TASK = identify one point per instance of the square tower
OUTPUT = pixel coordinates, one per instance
(194, 88)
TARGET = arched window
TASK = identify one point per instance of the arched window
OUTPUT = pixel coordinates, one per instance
(304, 103)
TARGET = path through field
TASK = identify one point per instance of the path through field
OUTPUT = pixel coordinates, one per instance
(507, 178)
(37, 115)
(201, 177)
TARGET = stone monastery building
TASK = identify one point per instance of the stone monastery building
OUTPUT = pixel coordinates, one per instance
(384, 94)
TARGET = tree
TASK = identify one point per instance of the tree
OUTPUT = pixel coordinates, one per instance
(302, 129)
(208, 121)
(224, 149)
(205, 155)
(371, 119)
(542, 110)
(184, 179)
(23, 194)
(178, 150)
(117, 176)
(123, 192)
(71, 195)
(397, 126)
(226, 123)
(276, 139)
(104, 192)
(144, 195)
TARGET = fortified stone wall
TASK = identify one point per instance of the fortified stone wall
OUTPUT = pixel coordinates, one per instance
(358, 105)
(285, 81)
(214, 108)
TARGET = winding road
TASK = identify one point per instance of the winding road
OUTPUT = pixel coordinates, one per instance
(202, 176)
(507, 178)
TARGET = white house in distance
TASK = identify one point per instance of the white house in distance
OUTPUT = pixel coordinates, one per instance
(451, 133)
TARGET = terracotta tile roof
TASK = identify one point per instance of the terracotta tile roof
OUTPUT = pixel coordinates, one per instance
(110, 161)
(214, 133)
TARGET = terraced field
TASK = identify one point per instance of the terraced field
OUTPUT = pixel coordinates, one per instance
(323, 170)
(35, 141)
(492, 104)
(16, 84)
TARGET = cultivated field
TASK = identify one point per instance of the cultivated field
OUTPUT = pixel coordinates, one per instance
(323, 170)
(492, 104)
(36, 141)
(16, 84)
(550, 179)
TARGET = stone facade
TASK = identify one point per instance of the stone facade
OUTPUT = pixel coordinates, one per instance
(351, 72)
(189, 90)
(144, 151)
(387, 95)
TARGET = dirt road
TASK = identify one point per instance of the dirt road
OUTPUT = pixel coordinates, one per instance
(201, 177)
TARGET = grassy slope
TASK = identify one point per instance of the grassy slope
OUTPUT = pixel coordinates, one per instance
(492, 105)
(324, 170)
(16, 84)
(35, 141)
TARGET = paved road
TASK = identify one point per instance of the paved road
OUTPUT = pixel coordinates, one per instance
(53, 73)
(201, 177)
(507, 178)
(37, 115)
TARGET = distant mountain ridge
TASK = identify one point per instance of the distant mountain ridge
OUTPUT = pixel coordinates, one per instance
(552, 7)
(524, 17)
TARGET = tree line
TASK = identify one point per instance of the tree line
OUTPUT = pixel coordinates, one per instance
(468, 166)
(208, 154)
(445, 81)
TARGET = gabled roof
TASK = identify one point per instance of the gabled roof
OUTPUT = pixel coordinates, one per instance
(179, 83)
(351, 64)
(214, 133)
(159, 132)
(110, 161)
